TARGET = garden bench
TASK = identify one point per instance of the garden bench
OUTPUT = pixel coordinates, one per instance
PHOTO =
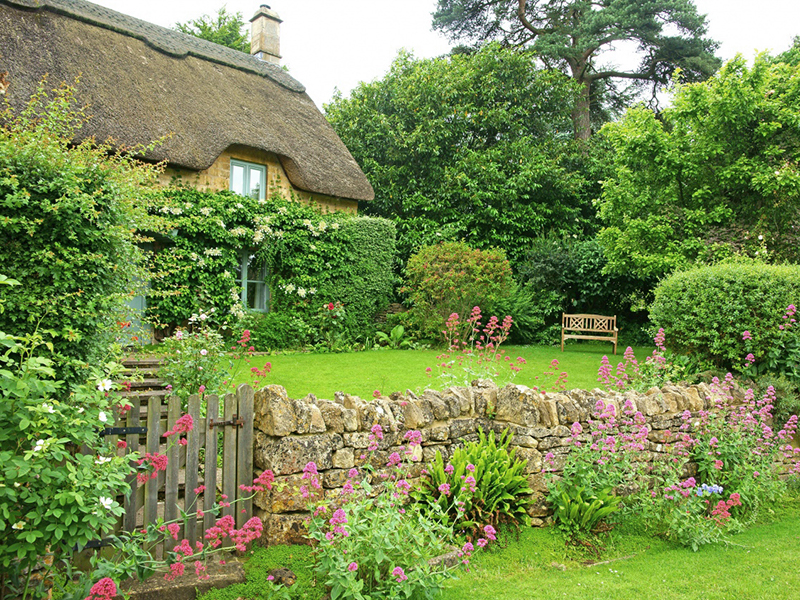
(589, 327)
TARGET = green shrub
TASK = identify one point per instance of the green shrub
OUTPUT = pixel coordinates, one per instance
(67, 214)
(536, 314)
(452, 278)
(274, 330)
(567, 275)
(501, 492)
(578, 510)
(706, 310)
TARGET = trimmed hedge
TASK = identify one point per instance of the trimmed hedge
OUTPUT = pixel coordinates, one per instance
(704, 311)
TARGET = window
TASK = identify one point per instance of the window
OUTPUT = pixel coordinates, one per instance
(252, 277)
(248, 179)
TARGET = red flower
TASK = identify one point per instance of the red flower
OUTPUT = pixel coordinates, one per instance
(330, 306)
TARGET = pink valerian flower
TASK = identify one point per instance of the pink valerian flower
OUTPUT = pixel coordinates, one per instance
(394, 460)
(320, 510)
(576, 429)
(202, 389)
(262, 482)
(444, 489)
(482, 542)
(400, 574)
(184, 549)
(339, 517)
(200, 490)
(490, 532)
(175, 570)
(746, 336)
(312, 475)
(449, 469)
(105, 589)
(471, 468)
(353, 473)
(173, 529)
(376, 394)
(470, 484)
(200, 570)
(353, 566)
(375, 436)
(413, 437)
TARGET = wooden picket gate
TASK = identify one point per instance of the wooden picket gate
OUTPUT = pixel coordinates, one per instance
(174, 489)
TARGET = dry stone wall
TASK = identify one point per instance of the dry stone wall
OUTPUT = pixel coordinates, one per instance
(335, 434)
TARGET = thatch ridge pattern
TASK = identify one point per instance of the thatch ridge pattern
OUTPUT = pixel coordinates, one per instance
(173, 43)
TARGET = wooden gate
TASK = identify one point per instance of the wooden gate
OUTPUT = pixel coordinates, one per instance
(192, 465)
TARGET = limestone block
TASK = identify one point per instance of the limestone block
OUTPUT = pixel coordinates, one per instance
(332, 415)
(274, 412)
(534, 458)
(417, 414)
(344, 458)
(464, 397)
(439, 433)
(286, 528)
(350, 418)
(290, 454)
(517, 404)
(287, 497)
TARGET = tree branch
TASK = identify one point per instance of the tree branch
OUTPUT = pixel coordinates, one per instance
(621, 74)
(524, 20)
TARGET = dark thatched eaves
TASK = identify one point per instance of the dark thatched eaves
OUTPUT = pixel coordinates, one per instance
(144, 83)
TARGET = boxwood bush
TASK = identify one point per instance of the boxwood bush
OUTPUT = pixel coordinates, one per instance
(704, 311)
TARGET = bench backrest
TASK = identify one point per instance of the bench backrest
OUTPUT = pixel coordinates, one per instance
(595, 323)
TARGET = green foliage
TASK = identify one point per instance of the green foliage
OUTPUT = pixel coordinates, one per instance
(67, 217)
(394, 339)
(311, 260)
(571, 35)
(297, 558)
(713, 175)
(535, 313)
(451, 277)
(501, 493)
(275, 330)
(225, 29)
(466, 147)
(577, 510)
(568, 276)
(386, 551)
(705, 311)
(191, 362)
(52, 497)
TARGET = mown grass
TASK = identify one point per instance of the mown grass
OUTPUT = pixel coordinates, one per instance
(361, 373)
(538, 564)
(757, 564)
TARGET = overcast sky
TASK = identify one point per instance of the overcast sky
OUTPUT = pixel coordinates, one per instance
(329, 44)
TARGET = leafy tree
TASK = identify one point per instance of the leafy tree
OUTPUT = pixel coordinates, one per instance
(718, 175)
(469, 146)
(792, 55)
(572, 34)
(67, 216)
(225, 29)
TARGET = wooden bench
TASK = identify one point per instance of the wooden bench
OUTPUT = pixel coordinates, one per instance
(589, 327)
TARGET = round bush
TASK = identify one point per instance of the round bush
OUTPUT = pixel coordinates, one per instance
(451, 278)
(705, 311)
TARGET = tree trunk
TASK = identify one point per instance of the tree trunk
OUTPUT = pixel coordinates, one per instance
(581, 116)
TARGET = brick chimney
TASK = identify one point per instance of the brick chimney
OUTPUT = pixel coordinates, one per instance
(265, 35)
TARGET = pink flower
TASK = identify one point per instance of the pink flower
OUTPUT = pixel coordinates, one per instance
(202, 389)
(482, 542)
(376, 394)
(122, 444)
(746, 336)
(353, 566)
(490, 532)
(173, 529)
(445, 489)
(104, 589)
(400, 574)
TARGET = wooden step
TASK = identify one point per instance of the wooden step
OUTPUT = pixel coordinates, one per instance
(152, 383)
(143, 394)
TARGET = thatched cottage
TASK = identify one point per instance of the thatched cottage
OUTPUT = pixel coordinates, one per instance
(229, 120)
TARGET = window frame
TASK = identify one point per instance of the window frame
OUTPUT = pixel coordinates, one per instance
(248, 167)
(245, 280)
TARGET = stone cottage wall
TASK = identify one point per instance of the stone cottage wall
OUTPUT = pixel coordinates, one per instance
(335, 434)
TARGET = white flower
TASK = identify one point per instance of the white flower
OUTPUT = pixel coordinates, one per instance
(18, 525)
(39, 445)
(283, 210)
(102, 416)
(203, 316)
(239, 205)
(203, 352)
(206, 210)
(106, 503)
(312, 291)
(761, 237)
(105, 385)
(335, 225)
(48, 408)
(301, 292)
(102, 460)
(17, 484)
(179, 335)
(289, 288)
(80, 410)
(213, 252)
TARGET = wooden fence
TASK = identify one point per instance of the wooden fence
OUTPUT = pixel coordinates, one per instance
(174, 490)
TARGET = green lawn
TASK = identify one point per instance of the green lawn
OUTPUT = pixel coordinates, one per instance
(758, 564)
(361, 373)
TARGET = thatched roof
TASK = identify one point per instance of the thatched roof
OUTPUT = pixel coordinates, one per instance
(144, 82)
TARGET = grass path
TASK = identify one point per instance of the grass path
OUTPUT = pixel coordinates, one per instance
(361, 373)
